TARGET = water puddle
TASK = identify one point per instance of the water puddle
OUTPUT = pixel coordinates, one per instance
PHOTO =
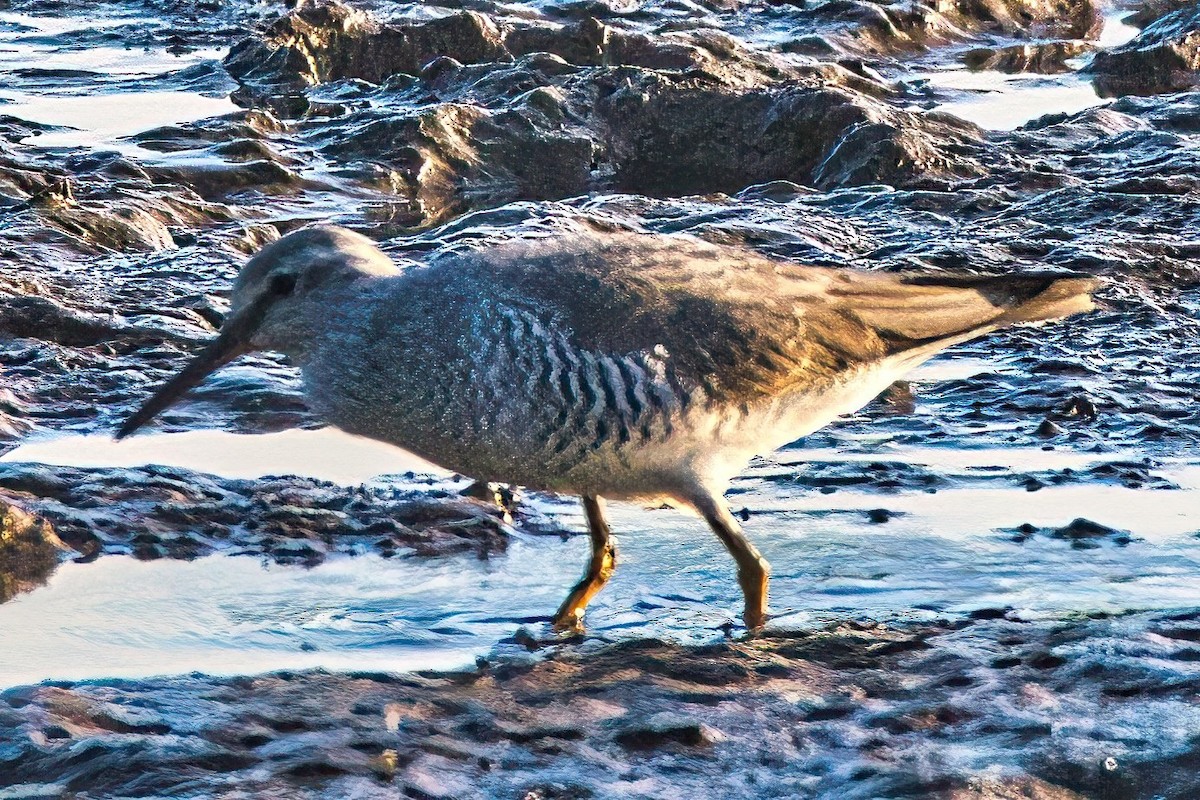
(326, 454)
(1116, 31)
(105, 96)
(99, 119)
(943, 553)
(1001, 102)
(956, 368)
(107, 60)
(951, 461)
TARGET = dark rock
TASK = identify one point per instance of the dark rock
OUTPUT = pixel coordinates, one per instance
(329, 40)
(667, 728)
(676, 140)
(863, 27)
(899, 398)
(1149, 11)
(292, 520)
(1047, 429)
(1082, 533)
(1162, 58)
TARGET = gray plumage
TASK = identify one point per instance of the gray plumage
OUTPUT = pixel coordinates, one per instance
(601, 363)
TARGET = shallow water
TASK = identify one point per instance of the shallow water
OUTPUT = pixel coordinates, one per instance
(945, 553)
(1001, 102)
(327, 454)
(96, 92)
(104, 118)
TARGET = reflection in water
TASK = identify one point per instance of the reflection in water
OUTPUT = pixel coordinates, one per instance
(29, 552)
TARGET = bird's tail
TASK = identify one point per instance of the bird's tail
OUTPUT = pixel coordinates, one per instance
(912, 311)
(1062, 297)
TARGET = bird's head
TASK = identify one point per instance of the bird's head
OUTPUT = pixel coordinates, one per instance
(273, 302)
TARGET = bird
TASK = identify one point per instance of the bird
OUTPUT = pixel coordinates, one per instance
(600, 362)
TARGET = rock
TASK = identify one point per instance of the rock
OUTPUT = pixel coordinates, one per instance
(676, 139)
(1047, 429)
(667, 728)
(858, 26)
(1022, 787)
(290, 520)
(1149, 11)
(1046, 57)
(1079, 406)
(1162, 58)
(899, 398)
(329, 40)
(1083, 533)
(29, 551)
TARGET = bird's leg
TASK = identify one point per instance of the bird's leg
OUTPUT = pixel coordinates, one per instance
(753, 570)
(599, 569)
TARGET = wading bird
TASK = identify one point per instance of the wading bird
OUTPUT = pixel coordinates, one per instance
(600, 363)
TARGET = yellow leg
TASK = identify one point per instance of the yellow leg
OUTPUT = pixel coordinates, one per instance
(754, 573)
(599, 570)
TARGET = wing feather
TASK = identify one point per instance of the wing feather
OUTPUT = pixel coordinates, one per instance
(744, 326)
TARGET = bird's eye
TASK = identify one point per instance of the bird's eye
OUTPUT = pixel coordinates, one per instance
(283, 284)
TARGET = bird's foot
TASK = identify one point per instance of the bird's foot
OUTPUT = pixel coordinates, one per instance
(568, 621)
(755, 621)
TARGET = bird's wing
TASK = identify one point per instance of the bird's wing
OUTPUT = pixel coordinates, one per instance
(741, 325)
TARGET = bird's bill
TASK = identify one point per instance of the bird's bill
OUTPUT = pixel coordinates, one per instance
(233, 340)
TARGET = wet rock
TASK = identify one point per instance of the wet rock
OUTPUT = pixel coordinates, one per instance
(1047, 429)
(216, 181)
(674, 139)
(878, 516)
(667, 728)
(899, 398)
(1149, 11)
(1047, 58)
(329, 40)
(1162, 58)
(29, 551)
(863, 27)
(447, 159)
(1084, 534)
(876, 475)
(854, 705)
(1079, 407)
(1012, 788)
(632, 129)
(184, 515)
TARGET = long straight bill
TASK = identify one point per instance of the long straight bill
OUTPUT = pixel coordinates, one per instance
(233, 340)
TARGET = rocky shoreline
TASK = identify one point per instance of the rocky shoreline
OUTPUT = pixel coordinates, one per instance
(811, 131)
(854, 711)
